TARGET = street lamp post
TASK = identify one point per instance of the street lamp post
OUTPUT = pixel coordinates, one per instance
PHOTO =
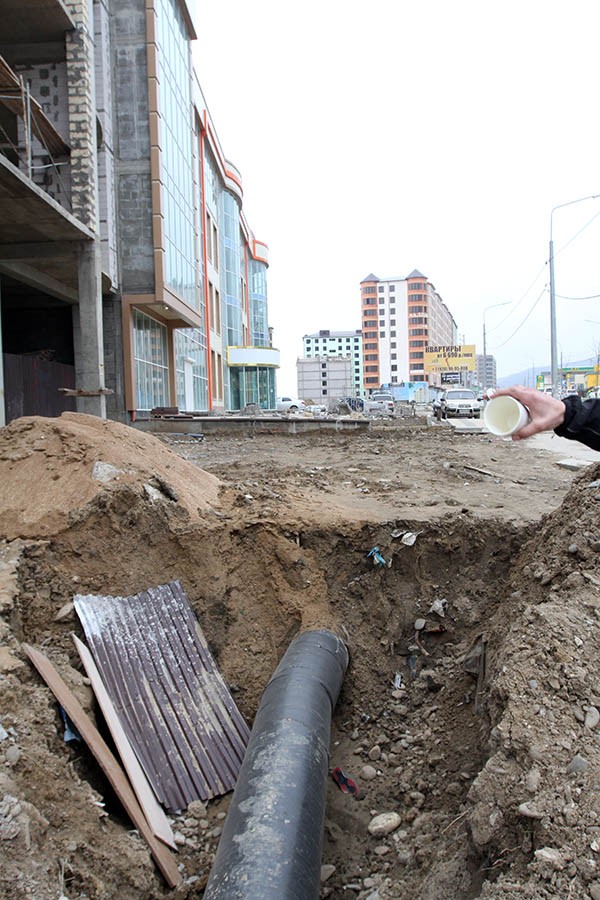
(553, 336)
(493, 306)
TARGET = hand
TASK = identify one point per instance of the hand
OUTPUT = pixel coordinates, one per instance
(546, 412)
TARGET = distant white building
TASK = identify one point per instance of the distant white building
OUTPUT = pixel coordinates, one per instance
(340, 344)
(485, 370)
(323, 378)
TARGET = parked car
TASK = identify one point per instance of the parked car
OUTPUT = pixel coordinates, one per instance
(457, 402)
(289, 404)
(380, 403)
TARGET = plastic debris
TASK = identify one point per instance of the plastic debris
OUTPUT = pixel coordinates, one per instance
(346, 784)
(378, 559)
(439, 607)
(408, 538)
(397, 682)
(70, 734)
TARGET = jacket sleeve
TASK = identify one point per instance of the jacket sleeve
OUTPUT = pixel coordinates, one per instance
(582, 421)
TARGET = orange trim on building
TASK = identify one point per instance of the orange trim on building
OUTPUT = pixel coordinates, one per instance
(205, 270)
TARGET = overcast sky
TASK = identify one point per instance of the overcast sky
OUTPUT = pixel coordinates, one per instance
(392, 135)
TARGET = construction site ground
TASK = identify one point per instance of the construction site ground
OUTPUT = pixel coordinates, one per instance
(471, 706)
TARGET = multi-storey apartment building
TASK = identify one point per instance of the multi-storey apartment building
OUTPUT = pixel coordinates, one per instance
(128, 272)
(400, 317)
(338, 343)
(324, 378)
(485, 370)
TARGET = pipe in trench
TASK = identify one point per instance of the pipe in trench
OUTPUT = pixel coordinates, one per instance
(272, 841)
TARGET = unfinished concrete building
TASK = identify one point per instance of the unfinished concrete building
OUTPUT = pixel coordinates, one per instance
(129, 278)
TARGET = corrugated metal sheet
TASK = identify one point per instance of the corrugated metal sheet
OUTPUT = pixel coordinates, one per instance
(173, 704)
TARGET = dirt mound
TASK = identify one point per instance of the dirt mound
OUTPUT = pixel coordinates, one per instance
(50, 468)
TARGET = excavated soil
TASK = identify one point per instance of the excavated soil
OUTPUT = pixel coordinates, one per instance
(471, 705)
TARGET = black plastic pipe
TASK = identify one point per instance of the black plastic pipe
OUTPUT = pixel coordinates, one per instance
(272, 841)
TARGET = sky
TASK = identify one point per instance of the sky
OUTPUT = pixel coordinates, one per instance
(399, 134)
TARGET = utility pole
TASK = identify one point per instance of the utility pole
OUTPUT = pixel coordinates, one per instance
(553, 335)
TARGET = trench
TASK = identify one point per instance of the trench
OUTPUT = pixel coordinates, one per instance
(412, 726)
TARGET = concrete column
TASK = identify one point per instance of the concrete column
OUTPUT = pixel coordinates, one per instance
(87, 330)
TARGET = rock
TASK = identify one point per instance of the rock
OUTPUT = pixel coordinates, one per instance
(179, 838)
(552, 856)
(12, 755)
(532, 780)
(368, 773)
(420, 624)
(375, 752)
(578, 764)
(384, 823)
(105, 472)
(327, 871)
(592, 716)
(8, 661)
(381, 850)
(530, 811)
(594, 890)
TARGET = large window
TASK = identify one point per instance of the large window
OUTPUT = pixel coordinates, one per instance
(259, 326)
(190, 369)
(177, 152)
(151, 362)
(252, 385)
(231, 280)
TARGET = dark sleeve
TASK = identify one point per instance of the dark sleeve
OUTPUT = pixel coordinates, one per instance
(582, 421)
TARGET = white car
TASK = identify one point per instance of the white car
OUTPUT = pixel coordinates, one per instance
(289, 404)
(380, 403)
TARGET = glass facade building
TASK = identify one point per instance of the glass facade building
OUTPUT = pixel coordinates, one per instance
(196, 333)
(177, 152)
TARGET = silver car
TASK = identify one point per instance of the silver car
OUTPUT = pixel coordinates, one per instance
(455, 403)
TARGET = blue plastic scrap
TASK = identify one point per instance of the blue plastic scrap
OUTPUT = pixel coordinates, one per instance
(378, 559)
(70, 733)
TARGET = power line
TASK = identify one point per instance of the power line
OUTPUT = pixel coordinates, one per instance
(590, 297)
(577, 233)
(518, 328)
(519, 301)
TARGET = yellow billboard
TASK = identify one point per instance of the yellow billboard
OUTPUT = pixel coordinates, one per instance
(454, 358)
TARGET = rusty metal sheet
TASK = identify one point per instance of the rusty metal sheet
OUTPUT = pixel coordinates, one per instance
(170, 697)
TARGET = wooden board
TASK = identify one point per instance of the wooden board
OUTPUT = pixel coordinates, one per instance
(152, 809)
(88, 731)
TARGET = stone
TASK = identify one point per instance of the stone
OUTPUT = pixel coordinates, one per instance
(592, 716)
(551, 855)
(594, 890)
(384, 823)
(375, 752)
(532, 780)
(12, 755)
(327, 871)
(8, 661)
(578, 764)
(368, 773)
(530, 811)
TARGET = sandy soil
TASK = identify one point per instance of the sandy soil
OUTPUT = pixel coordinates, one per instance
(478, 728)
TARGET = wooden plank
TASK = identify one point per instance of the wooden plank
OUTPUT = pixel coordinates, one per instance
(152, 809)
(88, 731)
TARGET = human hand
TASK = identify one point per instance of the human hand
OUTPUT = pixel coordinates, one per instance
(546, 412)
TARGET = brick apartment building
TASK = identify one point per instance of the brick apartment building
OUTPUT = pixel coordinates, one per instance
(400, 317)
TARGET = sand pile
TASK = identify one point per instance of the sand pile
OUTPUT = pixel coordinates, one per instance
(50, 468)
